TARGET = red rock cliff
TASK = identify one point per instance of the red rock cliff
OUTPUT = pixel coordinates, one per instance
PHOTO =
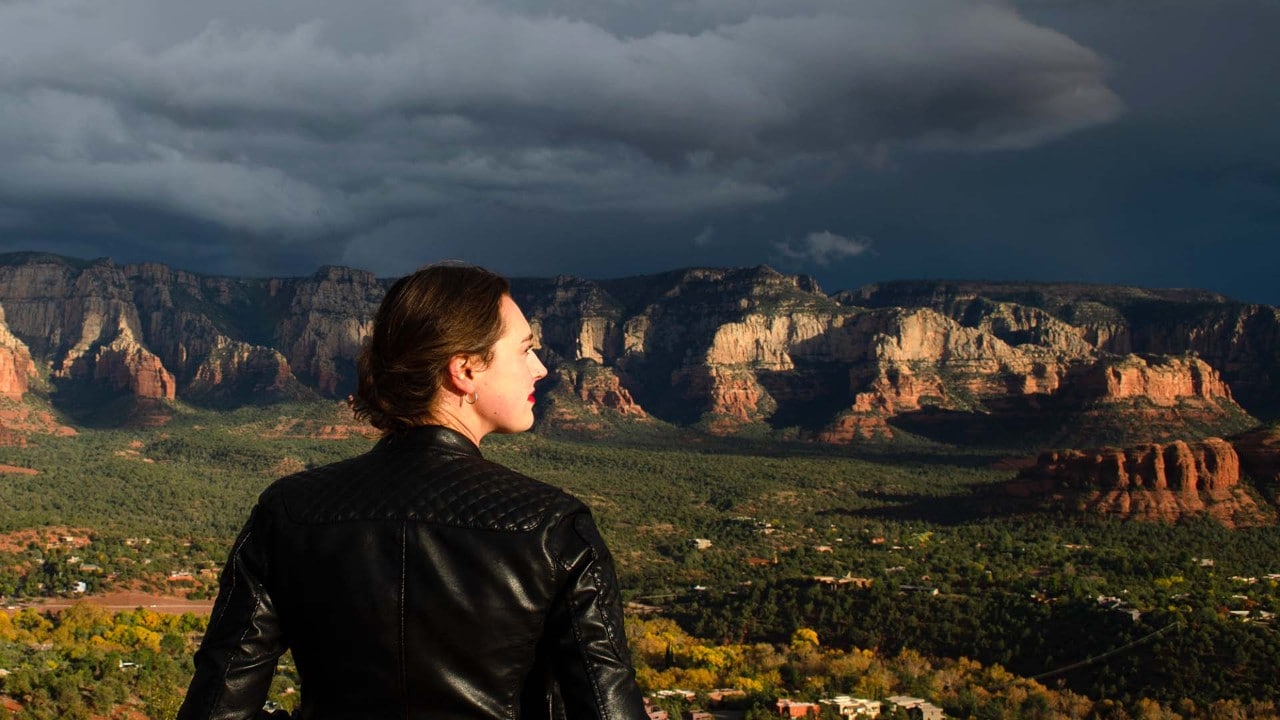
(250, 368)
(1162, 482)
(1163, 381)
(16, 367)
(725, 348)
(124, 364)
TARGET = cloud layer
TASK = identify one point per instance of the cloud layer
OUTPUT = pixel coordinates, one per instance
(292, 121)
(823, 248)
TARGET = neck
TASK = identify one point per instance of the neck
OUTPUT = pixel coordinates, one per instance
(455, 418)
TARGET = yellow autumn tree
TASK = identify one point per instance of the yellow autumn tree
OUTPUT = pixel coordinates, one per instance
(804, 636)
(7, 630)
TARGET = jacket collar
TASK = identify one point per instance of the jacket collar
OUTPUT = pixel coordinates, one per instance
(430, 438)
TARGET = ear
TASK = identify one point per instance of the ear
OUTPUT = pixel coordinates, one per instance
(459, 374)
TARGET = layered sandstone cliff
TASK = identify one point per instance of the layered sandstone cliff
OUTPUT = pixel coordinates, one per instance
(244, 368)
(64, 312)
(187, 317)
(1157, 482)
(125, 365)
(83, 321)
(599, 388)
(16, 368)
(1162, 381)
(728, 350)
(670, 338)
(328, 317)
(1239, 340)
(149, 331)
(586, 397)
(573, 319)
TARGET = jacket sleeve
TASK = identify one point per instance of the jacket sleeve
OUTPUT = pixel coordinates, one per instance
(237, 658)
(591, 663)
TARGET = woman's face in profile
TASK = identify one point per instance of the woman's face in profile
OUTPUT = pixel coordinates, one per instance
(504, 387)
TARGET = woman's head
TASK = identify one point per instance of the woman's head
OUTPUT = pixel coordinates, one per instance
(426, 321)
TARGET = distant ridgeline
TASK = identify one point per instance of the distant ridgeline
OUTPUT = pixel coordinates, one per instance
(749, 352)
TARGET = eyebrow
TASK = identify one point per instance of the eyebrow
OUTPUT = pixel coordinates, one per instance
(528, 339)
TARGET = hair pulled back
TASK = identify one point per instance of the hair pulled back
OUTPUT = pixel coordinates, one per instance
(425, 319)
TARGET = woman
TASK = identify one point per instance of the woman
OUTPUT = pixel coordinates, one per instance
(420, 580)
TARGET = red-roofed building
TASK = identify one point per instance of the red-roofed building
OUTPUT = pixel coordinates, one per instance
(794, 709)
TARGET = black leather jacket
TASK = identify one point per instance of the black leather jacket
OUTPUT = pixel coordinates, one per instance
(418, 581)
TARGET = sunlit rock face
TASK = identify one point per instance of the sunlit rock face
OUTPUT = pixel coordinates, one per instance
(16, 367)
(1155, 482)
(124, 364)
(157, 333)
(727, 351)
(1238, 340)
(1162, 381)
(250, 368)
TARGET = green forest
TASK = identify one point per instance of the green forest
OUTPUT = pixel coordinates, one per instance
(899, 562)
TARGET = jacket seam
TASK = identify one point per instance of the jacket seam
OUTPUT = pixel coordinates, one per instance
(601, 603)
(404, 672)
(480, 467)
(226, 669)
(586, 660)
(558, 565)
(425, 521)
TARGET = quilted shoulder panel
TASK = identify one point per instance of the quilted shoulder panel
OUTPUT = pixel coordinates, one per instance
(445, 488)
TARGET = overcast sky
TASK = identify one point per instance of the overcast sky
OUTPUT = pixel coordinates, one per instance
(1109, 141)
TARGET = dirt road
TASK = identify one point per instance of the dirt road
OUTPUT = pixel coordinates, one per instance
(118, 601)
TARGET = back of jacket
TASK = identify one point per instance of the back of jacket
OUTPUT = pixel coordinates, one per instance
(419, 580)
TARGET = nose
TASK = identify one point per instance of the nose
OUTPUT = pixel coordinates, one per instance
(539, 370)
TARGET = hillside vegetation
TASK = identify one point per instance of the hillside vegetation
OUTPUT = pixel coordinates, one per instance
(721, 543)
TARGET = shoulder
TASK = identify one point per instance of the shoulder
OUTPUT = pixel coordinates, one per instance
(442, 488)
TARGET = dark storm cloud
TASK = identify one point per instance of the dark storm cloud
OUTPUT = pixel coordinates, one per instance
(294, 121)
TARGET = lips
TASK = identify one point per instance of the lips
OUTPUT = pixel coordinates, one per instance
(530, 397)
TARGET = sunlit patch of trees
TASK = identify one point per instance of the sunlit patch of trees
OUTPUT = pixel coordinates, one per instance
(86, 661)
(667, 658)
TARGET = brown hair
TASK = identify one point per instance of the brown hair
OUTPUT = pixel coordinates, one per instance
(425, 319)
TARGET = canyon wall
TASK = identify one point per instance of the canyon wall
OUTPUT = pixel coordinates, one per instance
(16, 368)
(724, 350)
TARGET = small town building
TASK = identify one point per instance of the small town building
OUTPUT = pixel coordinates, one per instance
(916, 708)
(794, 709)
(722, 695)
(853, 707)
(848, 581)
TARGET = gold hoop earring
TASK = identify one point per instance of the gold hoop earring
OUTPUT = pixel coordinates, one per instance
(472, 398)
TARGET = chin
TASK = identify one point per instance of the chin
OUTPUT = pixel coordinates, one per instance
(513, 429)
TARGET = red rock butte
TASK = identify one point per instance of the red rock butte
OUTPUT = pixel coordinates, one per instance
(1159, 482)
